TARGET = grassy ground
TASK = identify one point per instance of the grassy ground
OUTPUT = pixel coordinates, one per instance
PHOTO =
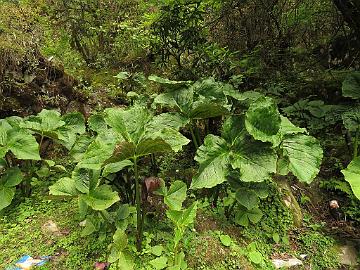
(23, 232)
(213, 244)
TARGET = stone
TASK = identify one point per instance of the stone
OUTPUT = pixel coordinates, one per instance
(50, 227)
(286, 263)
(348, 255)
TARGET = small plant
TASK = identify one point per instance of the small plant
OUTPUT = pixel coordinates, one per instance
(322, 249)
(16, 145)
(50, 124)
(181, 217)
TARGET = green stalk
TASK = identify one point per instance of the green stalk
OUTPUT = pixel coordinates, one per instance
(198, 135)
(207, 126)
(356, 143)
(194, 138)
(138, 208)
(41, 141)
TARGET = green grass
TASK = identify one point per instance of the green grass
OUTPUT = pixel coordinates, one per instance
(21, 233)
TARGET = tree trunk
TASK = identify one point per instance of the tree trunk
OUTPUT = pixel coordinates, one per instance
(350, 10)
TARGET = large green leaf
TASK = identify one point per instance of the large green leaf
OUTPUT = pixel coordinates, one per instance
(98, 151)
(6, 196)
(144, 134)
(101, 198)
(288, 128)
(351, 119)
(149, 146)
(176, 195)
(183, 218)
(170, 137)
(212, 90)
(351, 86)
(165, 99)
(304, 154)
(243, 217)
(233, 129)
(74, 125)
(5, 127)
(124, 150)
(46, 122)
(247, 198)
(213, 157)
(75, 122)
(204, 99)
(12, 177)
(79, 148)
(97, 123)
(352, 176)
(85, 179)
(207, 109)
(64, 187)
(263, 119)
(255, 160)
(22, 144)
(116, 167)
(166, 121)
(159, 263)
(130, 123)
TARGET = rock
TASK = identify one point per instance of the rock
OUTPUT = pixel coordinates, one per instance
(286, 263)
(82, 223)
(348, 255)
(50, 227)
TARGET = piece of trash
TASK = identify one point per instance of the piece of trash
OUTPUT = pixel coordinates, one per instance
(303, 256)
(27, 262)
(101, 266)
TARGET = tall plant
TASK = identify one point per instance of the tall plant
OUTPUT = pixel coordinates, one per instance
(351, 119)
(129, 135)
(257, 144)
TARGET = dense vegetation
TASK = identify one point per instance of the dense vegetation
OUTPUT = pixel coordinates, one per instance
(180, 134)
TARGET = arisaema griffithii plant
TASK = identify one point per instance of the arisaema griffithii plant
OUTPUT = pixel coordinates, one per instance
(16, 144)
(351, 119)
(129, 135)
(50, 124)
(19, 147)
(182, 218)
(256, 145)
(201, 100)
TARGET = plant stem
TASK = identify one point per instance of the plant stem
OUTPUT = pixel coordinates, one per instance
(216, 195)
(207, 126)
(198, 135)
(112, 225)
(356, 143)
(194, 138)
(138, 208)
